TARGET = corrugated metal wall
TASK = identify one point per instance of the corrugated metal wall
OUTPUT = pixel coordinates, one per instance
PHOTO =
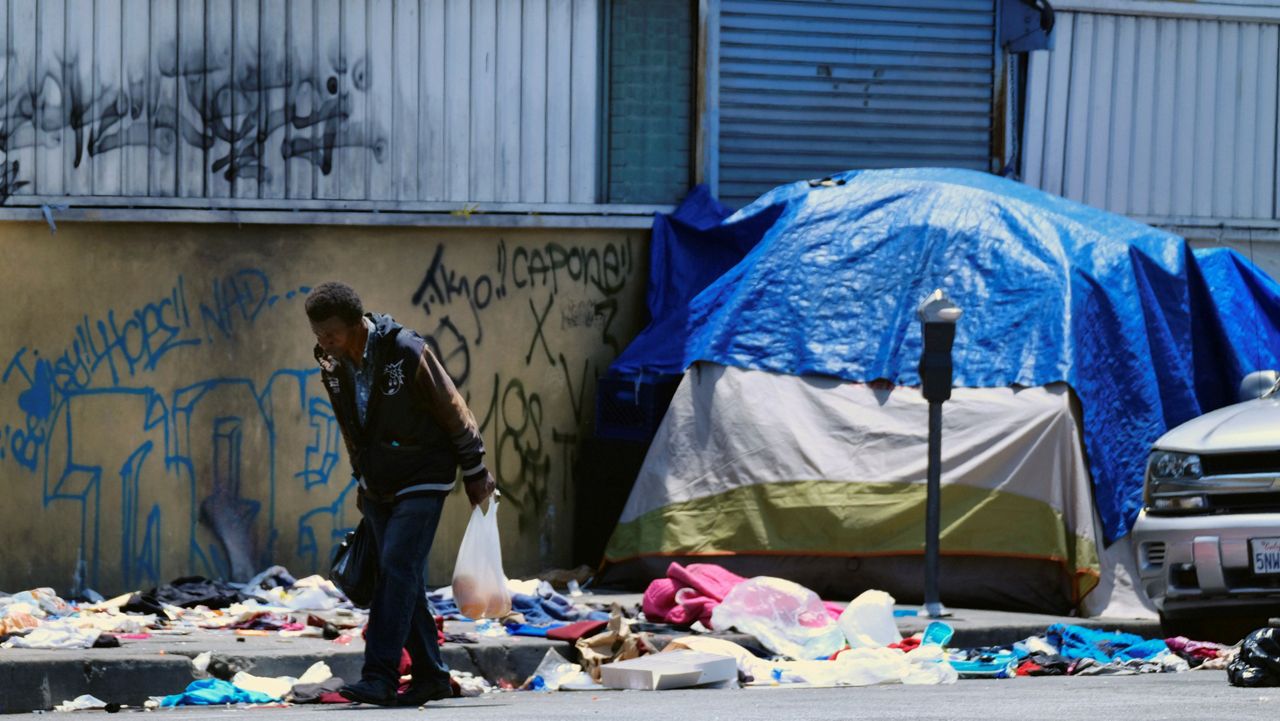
(808, 87)
(1161, 118)
(384, 100)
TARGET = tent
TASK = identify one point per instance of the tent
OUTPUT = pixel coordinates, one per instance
(795, 443)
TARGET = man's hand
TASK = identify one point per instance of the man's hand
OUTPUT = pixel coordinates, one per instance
(480, 488)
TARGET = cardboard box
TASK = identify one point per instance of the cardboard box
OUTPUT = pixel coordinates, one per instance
(675, 669)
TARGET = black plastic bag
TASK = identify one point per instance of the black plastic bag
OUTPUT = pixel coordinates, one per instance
(355, 567)
(1259, 661)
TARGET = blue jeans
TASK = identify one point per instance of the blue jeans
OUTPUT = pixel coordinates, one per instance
(399, 617)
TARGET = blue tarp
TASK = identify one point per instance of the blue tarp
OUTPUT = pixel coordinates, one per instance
(1147, 333)
(689, 249)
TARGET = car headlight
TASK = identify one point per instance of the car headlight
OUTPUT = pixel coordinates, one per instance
(1172, 475)
(1173, 466)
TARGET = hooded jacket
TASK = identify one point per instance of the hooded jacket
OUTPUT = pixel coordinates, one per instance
(417, 430)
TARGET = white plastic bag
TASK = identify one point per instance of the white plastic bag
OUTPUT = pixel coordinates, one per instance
(868, 621)
(786, 617)
(479, 584)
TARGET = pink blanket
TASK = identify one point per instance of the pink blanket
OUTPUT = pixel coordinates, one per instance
(690, 593)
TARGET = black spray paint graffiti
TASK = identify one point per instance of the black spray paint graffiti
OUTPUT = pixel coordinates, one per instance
(550, 267)
(242, 107)
(572, 287)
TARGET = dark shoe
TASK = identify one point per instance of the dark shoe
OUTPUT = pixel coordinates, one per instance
(369, 692)
(419, 695)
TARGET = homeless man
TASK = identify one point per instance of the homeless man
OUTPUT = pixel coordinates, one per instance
(407, 432)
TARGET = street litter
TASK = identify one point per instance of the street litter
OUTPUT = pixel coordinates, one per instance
(677, 669)
(786, 617)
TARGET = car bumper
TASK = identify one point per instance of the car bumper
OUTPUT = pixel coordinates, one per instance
(1190, 563)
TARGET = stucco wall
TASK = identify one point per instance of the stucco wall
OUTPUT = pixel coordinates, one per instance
(156, 377)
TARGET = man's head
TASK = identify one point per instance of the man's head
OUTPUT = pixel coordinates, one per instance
(335, 313)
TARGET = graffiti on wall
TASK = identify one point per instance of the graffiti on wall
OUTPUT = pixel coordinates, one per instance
(119, 428)
(93, 425)
(551, 285)
(233, 116)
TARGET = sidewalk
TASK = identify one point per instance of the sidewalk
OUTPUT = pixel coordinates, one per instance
(33, 680)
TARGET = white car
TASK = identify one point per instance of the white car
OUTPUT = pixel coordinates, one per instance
(1208, 537)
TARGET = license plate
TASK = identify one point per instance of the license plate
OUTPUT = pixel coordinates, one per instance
(1266, 555)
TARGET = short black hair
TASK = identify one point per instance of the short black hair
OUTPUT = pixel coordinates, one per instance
(334, 299)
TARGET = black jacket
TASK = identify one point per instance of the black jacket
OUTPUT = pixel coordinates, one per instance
(418, 429)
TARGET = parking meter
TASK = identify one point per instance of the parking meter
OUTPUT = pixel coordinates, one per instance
(938, 316)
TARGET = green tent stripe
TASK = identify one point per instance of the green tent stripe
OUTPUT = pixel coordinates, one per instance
(840, 518)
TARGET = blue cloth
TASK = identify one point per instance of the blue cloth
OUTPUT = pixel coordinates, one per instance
(399, 617)
(687, 251)
(214, 692)
(1075, 642)
(536, 631)
(1147, 333)
(548, 607)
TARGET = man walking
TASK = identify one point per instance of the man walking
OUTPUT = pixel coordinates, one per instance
(407, 431)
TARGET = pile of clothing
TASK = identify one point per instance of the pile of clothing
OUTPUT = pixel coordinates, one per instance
(274, 602)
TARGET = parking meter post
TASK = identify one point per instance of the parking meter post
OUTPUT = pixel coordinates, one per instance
(938, 316)
(933, 514)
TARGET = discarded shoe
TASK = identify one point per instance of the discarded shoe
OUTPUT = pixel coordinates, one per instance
(369, 692)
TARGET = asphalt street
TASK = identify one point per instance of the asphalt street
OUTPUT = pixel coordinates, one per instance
(1193, 695)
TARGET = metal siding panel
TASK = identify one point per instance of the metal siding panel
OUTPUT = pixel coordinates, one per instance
(584, 106)
(457, 85)
(1187, 126)
(1206, 118)
(246, 102)
(107, 89)
(1266, 180)
(219, 94)
(1226, 104)
(1055, 133)
(858, 68)
(350, 158)
(330, 67)
(533, 102)
(20, 73)
(305, 97)
(508, 107)
(1099, 129)
(380, 36)
(1033, 146)
(1167, 84)
(1140, 178)
(277, 80)
(434, 157)
(162, 103)
(193, 135)
(78, 79)
(51, 152)
(1118, 166)
(135, 76)
(1245, 137)
(405, 155)
(484, 93)
(559, 99)
(1077, 147)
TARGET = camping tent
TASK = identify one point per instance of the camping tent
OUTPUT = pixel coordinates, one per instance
(795, 443)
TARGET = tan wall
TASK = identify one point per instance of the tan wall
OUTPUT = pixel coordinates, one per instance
(155, 372)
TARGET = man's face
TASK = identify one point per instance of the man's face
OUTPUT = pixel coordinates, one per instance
(336, 337)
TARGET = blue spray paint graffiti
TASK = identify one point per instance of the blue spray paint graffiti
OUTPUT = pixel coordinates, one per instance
(217, 441)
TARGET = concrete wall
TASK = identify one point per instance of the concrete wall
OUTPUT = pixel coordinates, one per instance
(161, 413)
